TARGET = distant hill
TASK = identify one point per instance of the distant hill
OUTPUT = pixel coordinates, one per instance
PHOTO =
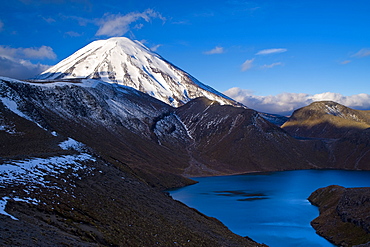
(326, 119)
(341, 133)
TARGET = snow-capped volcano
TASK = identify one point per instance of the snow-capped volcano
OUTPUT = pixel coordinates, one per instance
(126, 62)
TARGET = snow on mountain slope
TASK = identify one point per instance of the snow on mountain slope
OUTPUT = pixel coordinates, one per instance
(126, 62)
(33, 170)
(96, 102)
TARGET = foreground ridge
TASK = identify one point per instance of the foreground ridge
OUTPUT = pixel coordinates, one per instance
(84, 163)
(343, 216)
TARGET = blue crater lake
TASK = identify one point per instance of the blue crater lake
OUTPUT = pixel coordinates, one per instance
(271, 208)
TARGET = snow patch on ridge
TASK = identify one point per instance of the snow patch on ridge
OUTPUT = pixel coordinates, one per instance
(184, 126)
(12, 105)
(333, 110)
(4, 201)
(8, 127)
(30, 174)
(11, 100)
(72, 144)
(33, 170)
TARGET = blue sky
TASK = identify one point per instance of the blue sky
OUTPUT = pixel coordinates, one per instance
(273, 56)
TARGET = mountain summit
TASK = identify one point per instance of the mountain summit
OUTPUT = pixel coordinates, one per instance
(126, 62)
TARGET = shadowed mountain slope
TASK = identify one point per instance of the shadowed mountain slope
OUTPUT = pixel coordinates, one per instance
(235, 140)
(120, 123)
(343, 132)
(79, 161)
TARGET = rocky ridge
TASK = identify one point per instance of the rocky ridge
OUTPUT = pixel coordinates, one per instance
(341, 133)
(237, 140)
(86, 162)
(344, 215)
(326, 119)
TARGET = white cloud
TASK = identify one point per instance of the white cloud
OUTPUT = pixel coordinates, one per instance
(7, 51)
(286, 103)
(365, 52)
(185, 22)
(139, 26)
(155, 48)
(269, 66)
(43, 52)
(357, 101)
(216, 50)
(49, 20)
(271, 51)
(247, 65)
(1, 25)
(82, 21)
(39, 53)
(19, 68)
(14, 63)
(118, 25)
(346, 62)
(73, 34)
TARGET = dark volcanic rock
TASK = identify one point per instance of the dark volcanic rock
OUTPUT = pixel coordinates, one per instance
(344, 215)
(278, 120)
(117, 122)
(235, 140)
(351, 151)
(108, 208)
(84, 166)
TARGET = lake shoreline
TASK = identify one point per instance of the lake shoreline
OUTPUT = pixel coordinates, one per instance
(268, 172)
(241, 195)
(343, 214)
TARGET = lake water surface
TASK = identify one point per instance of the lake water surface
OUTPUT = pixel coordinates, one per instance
(271, 208)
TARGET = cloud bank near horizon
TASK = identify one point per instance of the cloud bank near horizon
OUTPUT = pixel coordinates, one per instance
(286, 103)
(15, 62)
